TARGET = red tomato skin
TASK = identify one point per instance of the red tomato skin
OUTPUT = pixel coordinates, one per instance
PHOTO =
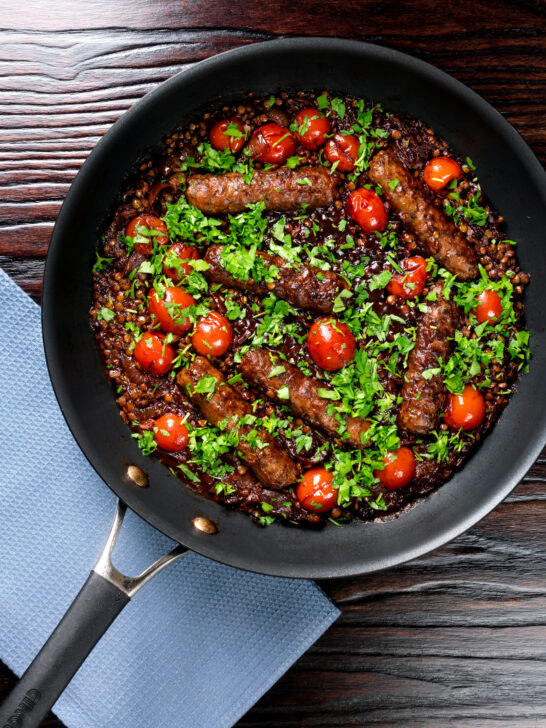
(315, 491)
(213, 335)
(316, 128)
(489, 306)
(222, 141)
(441, 171)
(342, 149)
(399, 468)
(184, 252)
(152, 223)
(367, 209)
(465, 411)
(272, 144)
(415, 274)
(331, 343)
(159, 309)
(153, 354)
(177, 439)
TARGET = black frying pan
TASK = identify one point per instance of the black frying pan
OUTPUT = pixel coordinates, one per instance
(514, 183)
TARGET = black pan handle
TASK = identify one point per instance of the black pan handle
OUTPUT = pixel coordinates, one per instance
(88, 617)
(100, 600)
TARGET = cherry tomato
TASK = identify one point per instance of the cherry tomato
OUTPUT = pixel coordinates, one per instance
(170, 432)
(155, 190)
(272, 144)
(342, 149)
(367, 209)
(331, 343)
(440, 171)
(312, 128)
(182, 252)
(411, 282)
(169, 311)
(465, 410)
(153, 354)
(489, 306)
(143, 243)
(316, 492)
(399, 468)
(231, 140)
(213, 335)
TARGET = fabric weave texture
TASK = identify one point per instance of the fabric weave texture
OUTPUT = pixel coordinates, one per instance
(196, 648)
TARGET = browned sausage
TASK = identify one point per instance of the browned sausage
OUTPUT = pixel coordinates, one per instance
(304, 399)
(270, 463)
(433, 228)
(281, 189)
(423, 399)
(304, 285)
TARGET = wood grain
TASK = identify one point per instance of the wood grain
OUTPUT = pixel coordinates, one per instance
(66, 76)
(456, 637)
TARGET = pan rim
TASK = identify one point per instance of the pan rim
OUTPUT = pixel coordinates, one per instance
(196, 542)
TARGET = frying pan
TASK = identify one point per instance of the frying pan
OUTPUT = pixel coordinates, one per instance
(514, 182)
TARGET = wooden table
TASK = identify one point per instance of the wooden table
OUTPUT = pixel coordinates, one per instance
(457, 637)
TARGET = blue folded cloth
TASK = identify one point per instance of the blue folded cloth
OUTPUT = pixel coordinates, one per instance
(196, 648)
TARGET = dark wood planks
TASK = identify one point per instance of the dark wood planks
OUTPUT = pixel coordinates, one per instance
(454, 638)
(63, 81)
(307, 17)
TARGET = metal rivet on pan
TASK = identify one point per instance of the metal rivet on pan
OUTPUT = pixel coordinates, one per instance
(138, 476)
(205, 525)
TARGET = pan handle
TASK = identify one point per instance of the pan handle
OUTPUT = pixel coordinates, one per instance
(100, 600)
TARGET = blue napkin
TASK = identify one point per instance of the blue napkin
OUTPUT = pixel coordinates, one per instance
(196, 648)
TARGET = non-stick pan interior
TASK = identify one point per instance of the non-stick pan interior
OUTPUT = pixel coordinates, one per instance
(515, 184)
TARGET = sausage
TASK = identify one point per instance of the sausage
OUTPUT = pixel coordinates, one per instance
(433, 228)
(277, 115)
(271, 463)
(281, 189)
(305, 402)
(423, 399)
(304, 286)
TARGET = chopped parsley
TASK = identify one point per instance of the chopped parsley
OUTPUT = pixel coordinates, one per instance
(145, 441)
(283, 393)
(101, 263)
(472, 212)
(362, 388)
(105, 314)
(206, 385)
(279, 369)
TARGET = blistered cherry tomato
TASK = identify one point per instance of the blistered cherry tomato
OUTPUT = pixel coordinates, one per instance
(331, 343)
(143, 243)
(440, 171)
(182, 252)
(170, 432)
(367, 209)
(316, 492)
(169, 311)
(489, 306)
(312, 128)
(411, 282)
(399, 468)
(272, 144)
(153, 354)
(213, 335)
(221, 138)
(155, 190)
(465, 410)
(343, 150)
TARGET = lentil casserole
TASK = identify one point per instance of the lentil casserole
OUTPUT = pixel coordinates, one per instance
(336, 314)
